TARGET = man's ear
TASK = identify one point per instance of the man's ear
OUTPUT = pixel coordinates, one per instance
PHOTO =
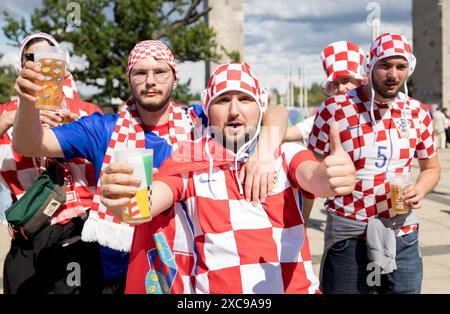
(412, 64)
(203, 97)
(264, 99)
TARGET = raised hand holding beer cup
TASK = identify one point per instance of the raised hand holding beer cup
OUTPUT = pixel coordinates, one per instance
(52, 62)
(40, 84)
(126, 185)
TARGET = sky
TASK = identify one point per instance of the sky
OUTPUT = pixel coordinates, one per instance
(279, 34)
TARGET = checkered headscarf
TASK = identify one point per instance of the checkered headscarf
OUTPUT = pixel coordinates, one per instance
(389, 45)
(155, 49)
(233, 77)
(342, 58)
(385, 46)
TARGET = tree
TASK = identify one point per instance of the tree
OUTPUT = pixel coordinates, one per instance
(7, 80)
(108, 30)
(316, 95)
(182, 94)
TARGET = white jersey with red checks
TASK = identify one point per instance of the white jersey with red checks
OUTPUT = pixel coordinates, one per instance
(402, 131)
(243, 248)
(20, 172)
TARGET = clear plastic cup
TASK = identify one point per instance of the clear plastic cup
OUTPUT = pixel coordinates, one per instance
(138, 211)
(398, 183)
(52, 61)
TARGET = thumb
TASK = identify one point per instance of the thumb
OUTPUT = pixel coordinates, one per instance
(335, 139)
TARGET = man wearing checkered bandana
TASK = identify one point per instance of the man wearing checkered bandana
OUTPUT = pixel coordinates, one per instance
(369, 247)
(240, 247)
(150, 119)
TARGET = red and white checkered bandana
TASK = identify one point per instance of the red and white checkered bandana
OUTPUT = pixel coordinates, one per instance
(27, 39)
(155, 49)
(389, 45)
(342, 58)
(233, 77)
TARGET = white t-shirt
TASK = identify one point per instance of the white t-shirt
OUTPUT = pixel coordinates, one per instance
(305, 128)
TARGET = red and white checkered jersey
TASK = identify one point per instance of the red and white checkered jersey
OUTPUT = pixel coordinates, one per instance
(19, 172)
(392, 150)
(243, 248)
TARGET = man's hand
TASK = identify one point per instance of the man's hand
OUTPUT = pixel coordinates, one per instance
(49, 118)
(339, 166)
(26, 86)
(413, 197)
(7, 119)
(118, 186)
(67, 116)
(258, 175)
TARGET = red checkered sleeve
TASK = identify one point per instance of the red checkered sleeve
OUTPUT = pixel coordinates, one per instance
(319, 137)
(295, 155)
(426, 148)
(298, 159)
(175, 182)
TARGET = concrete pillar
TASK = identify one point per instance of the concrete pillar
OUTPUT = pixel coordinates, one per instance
(446, 54)
(427, 46)
(227, 19)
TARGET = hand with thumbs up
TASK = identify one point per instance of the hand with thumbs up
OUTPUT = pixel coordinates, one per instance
(335, 175)
(340, 169)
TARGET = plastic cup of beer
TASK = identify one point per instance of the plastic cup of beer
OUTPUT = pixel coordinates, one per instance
(398, 183)
(52, 61)
(138, 210)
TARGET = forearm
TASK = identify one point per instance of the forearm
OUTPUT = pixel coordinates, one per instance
(427, 180)
(28, 131)
(162, 197)
(274, 128)
(293, 134)
(313, 177)
(5, 124)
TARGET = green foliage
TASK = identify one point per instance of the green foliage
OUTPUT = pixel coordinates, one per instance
(234, 56)
(182, 94)
(315, 95)
(109, 30)
(7, 80)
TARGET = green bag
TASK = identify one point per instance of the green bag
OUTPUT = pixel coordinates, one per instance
(40, 202)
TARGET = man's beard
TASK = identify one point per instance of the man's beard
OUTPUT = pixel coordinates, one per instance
(233, 143)
(152, 107)
(381, 90)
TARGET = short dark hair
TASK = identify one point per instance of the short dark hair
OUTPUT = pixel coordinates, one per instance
(34, 41)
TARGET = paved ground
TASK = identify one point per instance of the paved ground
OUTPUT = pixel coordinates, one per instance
(434, 233)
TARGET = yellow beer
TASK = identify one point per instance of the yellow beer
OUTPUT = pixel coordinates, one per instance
(398, 204)
(138, 210)
(52, 61)
(398, 183)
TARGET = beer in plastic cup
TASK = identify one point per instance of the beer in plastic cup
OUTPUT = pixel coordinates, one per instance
(398, 183)
(52, 61)
(138, 210)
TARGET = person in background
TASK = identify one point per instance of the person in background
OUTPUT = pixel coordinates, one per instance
(343, 63)
(382, 129)
(40, 264)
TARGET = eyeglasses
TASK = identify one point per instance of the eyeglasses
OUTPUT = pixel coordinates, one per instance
(160, 75)
(28, 56)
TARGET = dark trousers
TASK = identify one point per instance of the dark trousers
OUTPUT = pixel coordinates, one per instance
(51, 263)
(347, 270)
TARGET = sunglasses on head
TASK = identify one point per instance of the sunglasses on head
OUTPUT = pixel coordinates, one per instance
(28, 56)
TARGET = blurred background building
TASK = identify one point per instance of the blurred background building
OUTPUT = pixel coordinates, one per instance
(431, 44)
